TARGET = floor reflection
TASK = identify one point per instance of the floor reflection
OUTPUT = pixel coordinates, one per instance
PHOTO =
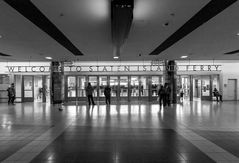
(194, 114)
(130, 130)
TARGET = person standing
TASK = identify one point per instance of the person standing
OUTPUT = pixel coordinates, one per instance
(167, 93)
(107, 93)
(89, 93)
(181, 95)
(11, 94)
(161, 96)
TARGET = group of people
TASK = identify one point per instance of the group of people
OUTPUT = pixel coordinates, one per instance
(164, 93)
(11, 94)
(90, 90)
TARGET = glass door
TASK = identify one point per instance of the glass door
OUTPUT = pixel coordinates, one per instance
(71, 88)
(205, 88)
(38, 89)
(144, 88)
(134, 88)
(102, 85)
(46, 89)
(197, 87)
(183, 86)
(114, 87)
(94, 83)
(81, 84)
(186, 87)
(28, 89)
(155, 82)
(124, 88)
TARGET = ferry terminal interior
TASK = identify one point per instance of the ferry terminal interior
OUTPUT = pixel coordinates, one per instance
(51, 50)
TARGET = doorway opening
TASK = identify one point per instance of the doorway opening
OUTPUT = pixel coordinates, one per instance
(36, 88)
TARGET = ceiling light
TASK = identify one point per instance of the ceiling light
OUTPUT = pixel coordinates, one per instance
(48, 58)
(184, 56)
(116, 57)
(238, 34)
(99, 9)
(0, 36)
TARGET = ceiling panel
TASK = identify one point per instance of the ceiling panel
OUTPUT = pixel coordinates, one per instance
(86, 23)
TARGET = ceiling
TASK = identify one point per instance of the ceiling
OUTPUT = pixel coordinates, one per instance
(86, 28)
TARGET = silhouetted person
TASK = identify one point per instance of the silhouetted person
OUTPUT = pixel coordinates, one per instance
(142, 90)
(11, 94)
(181, 95)
(217, 94)
(40, 92)
(107, 93)
(89, 93)
(167, 93)
(161, 96)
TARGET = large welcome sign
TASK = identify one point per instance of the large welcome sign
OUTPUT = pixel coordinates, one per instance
(116, 68)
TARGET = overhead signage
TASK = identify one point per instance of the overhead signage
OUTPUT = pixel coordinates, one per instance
(22, 69)
(116, 68)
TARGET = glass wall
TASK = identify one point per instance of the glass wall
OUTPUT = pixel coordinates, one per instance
(18, 81)
(202, 86)
(185, 86)
(93, 80)
(114, 85)
(38, 88)
(81, 86)
(205, 86)
(71, 89)
(47, 88)
(134, 86)
(155, 85)
(215, 82)
(102, 85)
(28, 86)
(124, 86)
(144, 86)
(4, 84)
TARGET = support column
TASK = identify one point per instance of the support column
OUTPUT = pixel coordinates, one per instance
(171, 78)
(57, 82)
(191, 88)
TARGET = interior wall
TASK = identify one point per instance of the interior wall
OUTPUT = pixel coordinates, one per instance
(230, 71)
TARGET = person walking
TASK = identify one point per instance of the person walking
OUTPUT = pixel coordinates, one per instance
(89, 93)
(107, 93)
(11, 94)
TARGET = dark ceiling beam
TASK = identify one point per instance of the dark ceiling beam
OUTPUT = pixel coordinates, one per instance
(4, 55)
(213, 8)
(32, 13)
(121, 21)
(232, 52)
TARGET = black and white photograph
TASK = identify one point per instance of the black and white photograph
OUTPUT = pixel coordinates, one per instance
(119, 81)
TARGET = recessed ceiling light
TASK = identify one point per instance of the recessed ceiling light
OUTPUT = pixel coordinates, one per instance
(184, 56)
(116, 57)
(48, 57)
(0, 36)
(238, 34)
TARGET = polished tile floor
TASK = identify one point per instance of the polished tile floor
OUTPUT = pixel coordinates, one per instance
(139, 132)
